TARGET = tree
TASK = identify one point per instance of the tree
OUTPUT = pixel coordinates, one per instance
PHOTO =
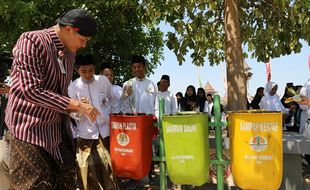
(120, 31)
(202, 28)
(268, 28)
(236, 76)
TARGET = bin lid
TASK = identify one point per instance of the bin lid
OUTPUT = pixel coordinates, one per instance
(186, 114)
(131, 114)
(253, 111)
(189, 113)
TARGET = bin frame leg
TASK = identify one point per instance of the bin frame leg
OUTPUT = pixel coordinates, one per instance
(220, 162)
(162, 174)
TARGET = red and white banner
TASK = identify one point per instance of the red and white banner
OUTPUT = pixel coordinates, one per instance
(268, 70)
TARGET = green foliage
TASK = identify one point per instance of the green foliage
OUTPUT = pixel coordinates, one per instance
(198, 26)
(269, 28)
(121, 32)
(274, 28)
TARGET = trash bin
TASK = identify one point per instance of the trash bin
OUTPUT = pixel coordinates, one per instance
(256, 149)
(187, 148)
(131, 145)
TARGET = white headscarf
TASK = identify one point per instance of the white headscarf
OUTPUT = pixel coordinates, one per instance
(271, 103)
(269, 86)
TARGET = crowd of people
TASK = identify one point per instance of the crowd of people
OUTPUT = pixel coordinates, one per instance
(267, 98)
(55, 122)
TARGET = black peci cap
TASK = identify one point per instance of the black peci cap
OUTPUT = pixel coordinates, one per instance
(137, 59)
(105, 65)
(81, 60)
(165, 77)
(80, 19)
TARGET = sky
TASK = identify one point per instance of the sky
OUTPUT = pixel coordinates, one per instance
(291, 68)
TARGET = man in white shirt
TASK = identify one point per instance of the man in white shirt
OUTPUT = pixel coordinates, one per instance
(139, 93)
(93, 137)
(115, 104)
(95, 90)
(169, 98)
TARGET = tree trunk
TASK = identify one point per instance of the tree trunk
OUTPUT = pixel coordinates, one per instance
(236, 79)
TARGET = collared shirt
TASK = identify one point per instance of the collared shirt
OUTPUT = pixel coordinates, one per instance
(116, 102)
(38, 97)
(205, 108)
(210, 105)
(8, 81)
(99, 93)
(305, 109)
(143, 96)
(305, 91)
(170, 103)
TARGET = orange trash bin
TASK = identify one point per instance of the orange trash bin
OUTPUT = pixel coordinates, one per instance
(131, 145)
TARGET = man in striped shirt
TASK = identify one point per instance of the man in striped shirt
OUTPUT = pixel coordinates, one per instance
(38, 105)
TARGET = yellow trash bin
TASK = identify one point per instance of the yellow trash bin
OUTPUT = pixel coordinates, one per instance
(256, 149)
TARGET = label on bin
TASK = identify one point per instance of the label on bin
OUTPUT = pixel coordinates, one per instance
(181, 129)
(123, 125)
(259, 126)
(122, 139)
(182, 158)
(184, 129)
(258, 143)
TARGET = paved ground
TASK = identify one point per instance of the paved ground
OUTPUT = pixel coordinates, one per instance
(153, 184)
(144, 184)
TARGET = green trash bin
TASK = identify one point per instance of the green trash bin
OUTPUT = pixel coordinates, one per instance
(186, 142)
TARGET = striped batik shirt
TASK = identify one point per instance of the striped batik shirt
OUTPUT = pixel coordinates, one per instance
(38, 97)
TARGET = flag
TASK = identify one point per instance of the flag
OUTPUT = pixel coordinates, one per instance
(268, 70)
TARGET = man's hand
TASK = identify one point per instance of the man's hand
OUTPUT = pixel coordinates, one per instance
(127, 91)
(304, 101)
(89, 111)
(84, 108)
(84, 100)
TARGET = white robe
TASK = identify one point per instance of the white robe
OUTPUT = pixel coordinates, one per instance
(210, 105)
(305, 114)
(116, 102)
(170, 103)
(99, 93)
(271, 103)
(143, 98)
(205, 108)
